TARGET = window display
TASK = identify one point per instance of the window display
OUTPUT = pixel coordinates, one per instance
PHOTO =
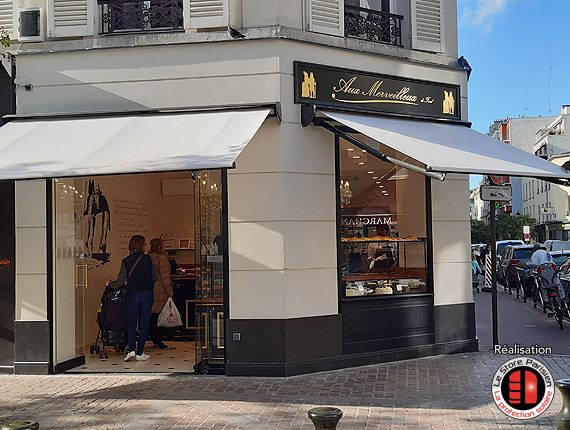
(383, 224)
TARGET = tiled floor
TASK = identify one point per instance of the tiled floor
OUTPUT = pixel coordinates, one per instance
(177, 358)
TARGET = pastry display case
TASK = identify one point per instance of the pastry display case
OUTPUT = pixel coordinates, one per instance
(380, 265)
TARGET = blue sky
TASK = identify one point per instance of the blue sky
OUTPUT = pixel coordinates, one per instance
(514, 48)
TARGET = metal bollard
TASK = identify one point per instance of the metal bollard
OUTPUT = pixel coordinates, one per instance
(21, 425)
(325, 418)
(563, 417)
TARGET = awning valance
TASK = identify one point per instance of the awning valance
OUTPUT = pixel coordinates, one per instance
(450, 148)
(51, 148)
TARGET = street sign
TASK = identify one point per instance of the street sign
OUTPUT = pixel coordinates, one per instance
(526, 229)
(526, 236)
(498, 180)
(496, 192)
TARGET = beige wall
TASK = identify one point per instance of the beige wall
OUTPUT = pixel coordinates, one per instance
(451, 240)
(282, 225)
(31, 251)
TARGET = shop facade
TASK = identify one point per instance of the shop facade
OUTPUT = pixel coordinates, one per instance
(227, 150)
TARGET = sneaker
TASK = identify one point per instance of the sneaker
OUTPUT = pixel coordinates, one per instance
(142, 357)
(130, 356)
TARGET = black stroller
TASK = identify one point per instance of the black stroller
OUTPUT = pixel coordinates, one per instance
(112, 318)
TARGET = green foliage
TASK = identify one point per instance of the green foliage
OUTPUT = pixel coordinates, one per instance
(506, 227)
(5, 43)
(480, 232)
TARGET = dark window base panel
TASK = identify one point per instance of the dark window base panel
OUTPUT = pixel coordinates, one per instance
(292, 369)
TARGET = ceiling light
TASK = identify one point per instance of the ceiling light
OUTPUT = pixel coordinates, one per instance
(371, 173)
(356, 156)
(381, 186)
(374, 177)
(364, 150)
(361, 163)
(377, 182)
(350, 149)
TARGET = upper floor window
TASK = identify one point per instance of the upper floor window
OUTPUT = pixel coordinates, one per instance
(372, 20)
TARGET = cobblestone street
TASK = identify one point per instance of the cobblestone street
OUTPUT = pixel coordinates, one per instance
(443, 392)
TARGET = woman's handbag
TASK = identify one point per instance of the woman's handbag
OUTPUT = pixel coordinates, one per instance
(169, 316)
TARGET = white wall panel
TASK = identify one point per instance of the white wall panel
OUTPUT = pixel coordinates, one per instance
(257, 294)
(452, 283)
(31, 297)
(451, 198)
(311, 292)
(30, 203)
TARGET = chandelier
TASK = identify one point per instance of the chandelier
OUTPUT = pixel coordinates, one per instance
(345, 193)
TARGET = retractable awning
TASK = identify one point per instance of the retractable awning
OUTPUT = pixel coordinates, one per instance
(450, 148)
(81, 146)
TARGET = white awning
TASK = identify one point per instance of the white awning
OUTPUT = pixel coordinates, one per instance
(451, 148)
(51, 148)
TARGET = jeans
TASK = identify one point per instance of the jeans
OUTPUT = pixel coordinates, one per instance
(140, 306)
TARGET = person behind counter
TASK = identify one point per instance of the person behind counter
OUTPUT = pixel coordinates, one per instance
(381, 256)
(162, 290)
(138, 274)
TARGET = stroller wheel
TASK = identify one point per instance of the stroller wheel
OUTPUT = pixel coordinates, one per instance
(97, 349)
(101, 354)
(105, 354)
(92, 349)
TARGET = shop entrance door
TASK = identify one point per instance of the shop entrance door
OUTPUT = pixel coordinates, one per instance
(70, 282)
(210, 318)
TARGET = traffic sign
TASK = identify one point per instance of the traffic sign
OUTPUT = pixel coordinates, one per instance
(499, 180)
(496, 192)
(526, 229)
(526, 236)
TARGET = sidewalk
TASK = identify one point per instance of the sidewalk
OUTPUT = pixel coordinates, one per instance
(443, 392)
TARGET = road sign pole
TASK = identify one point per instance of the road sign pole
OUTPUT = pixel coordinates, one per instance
(494, 279)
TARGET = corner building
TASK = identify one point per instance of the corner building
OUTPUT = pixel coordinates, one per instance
(265, 155)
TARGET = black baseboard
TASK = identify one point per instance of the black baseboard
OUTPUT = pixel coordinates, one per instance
(70, 364)
(6, 370)
(454, 322)
(353, 360)
(31, 368)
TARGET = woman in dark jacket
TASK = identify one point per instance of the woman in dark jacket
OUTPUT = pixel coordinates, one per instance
(139, 274)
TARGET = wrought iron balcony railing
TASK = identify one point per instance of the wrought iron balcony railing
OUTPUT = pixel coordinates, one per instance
(373, 25)
(121, 16)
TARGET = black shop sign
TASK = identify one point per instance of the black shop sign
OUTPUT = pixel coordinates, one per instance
(352, 90)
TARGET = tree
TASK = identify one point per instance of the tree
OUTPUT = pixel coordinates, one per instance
(480, 232)
(506, 227)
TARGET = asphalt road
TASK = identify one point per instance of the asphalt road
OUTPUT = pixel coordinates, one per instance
(519, 323)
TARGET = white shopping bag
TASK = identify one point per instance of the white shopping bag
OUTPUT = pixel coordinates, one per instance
(169, 316)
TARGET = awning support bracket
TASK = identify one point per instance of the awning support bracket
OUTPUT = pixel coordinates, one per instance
(321, 123)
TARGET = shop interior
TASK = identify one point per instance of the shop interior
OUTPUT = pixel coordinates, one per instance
(94, 219)
(383, 223)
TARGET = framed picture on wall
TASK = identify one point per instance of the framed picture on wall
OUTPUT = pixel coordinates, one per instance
(184, 243)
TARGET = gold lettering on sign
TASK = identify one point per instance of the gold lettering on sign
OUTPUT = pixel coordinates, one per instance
(374, 93)
(309, 86)
(448, 103)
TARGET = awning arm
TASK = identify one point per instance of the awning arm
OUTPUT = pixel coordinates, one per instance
(321, 123)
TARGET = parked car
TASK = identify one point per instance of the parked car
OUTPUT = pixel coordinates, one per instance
(513, 256)
(557, 245)
(502, 244)
(559, 257)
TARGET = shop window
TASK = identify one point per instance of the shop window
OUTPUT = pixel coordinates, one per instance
(383, 225)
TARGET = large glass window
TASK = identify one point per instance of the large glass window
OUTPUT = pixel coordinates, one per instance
(383, 224)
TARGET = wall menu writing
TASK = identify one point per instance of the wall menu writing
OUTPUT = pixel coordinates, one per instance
(132, 217)
(352, 90)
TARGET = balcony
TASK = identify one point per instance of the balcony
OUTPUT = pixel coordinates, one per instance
(127, 16)
(372, 25)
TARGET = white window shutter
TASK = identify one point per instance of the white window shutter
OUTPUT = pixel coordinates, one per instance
(206, 13)
(69, 18)
(7, 17)
(427, 25)
(326, 16)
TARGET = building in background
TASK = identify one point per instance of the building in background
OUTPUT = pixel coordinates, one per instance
(546, 202)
